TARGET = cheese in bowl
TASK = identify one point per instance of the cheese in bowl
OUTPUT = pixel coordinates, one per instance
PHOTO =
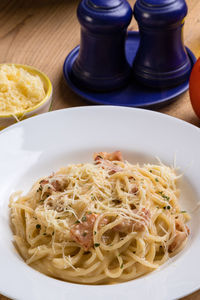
(24, 92)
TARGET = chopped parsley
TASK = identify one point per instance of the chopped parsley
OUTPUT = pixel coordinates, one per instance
(38, 226)
(77, 222)
(122, 265)
(156, 180)
(164, 196)
(96, 244)
(183, 211)
(167, 207)
(95, 232)
(84, 218)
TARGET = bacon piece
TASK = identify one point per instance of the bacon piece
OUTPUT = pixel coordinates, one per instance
(134, 189)
(57, 185)
(180, 226)
(113, 156)
(44, 181)
(126, 225)
(107, 164)
(111, 167)
(82, 233)
(129, 225)
(178, 240)
(182, 232)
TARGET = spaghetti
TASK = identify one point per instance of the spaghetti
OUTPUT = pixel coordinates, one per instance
(100, 223)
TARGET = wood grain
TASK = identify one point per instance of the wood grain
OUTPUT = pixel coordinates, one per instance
(42, 32)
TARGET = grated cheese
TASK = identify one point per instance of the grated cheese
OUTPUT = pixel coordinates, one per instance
(19, 89)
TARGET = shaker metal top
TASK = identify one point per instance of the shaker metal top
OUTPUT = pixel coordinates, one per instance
(104, 4)
(160, 12)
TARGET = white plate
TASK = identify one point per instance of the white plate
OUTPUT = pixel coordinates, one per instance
(36, 147)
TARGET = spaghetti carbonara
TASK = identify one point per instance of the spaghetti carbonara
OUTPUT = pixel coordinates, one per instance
(102, 222)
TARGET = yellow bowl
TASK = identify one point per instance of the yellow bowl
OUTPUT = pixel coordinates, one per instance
(41, 107)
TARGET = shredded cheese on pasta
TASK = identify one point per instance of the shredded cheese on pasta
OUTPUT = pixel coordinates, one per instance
(106, 222)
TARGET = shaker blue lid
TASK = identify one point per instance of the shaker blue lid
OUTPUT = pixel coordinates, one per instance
(157, 3)
(159, 12)
(104, 15)
(104, 4)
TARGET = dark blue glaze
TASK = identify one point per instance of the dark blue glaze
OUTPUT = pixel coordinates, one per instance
(161, 60)
(102, 4)
(133, 94)
(101, 64)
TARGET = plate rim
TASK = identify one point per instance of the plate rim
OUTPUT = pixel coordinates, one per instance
(82, 108)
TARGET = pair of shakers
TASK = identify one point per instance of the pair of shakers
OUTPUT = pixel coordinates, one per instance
(161, 60)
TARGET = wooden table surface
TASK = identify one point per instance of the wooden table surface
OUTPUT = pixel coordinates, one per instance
(42, 32)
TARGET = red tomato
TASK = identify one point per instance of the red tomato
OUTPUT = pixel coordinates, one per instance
(194, 87)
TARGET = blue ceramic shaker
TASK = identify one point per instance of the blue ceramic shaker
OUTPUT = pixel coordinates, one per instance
(101, 64)
(161, 60)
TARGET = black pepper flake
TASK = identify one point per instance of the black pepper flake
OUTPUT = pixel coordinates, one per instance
(116, 201)
(156, 180)
(38, 226)
(132, 206)
(40, 188)
(77, 222)
(84, 233)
